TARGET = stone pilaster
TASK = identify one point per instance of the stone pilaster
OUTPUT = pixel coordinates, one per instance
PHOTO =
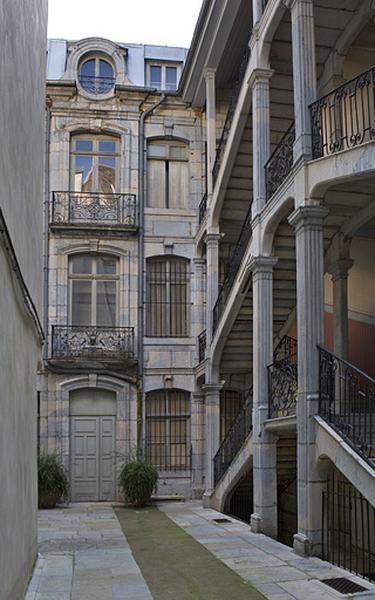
(212, 435)
(308, 224)
(211, 127)
(197, 442)
(212, 260)
(264, 517)
(260, 83)
(304, 73)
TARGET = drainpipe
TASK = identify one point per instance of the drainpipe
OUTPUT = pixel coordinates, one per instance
(45, 232)
(141, 253)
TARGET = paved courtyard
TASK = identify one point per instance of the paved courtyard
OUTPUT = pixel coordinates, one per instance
(84, 555)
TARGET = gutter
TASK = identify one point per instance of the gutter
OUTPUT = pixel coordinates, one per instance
(46, 231)
(141, 253)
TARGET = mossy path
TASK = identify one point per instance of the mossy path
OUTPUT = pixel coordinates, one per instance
(174, 565)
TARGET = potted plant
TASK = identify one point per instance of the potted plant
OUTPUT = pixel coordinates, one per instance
(53, 483)
(138, 480)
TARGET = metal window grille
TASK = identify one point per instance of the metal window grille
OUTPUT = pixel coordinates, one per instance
(348, 527)
(230, 405)
(167, 297)
(168, 445)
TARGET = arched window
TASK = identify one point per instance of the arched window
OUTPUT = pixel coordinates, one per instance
(93, 283)
(96, 75)
(230, 405)
(168, 174)
(95, 163)
(167, 296)
(168, 429)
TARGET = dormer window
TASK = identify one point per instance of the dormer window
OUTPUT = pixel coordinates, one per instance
(96, 75)
(162, 76)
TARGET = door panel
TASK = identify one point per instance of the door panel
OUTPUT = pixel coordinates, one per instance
(93, 458)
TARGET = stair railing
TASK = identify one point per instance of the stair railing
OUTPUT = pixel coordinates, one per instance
(347, 403)
(282, 380)
(233, 441)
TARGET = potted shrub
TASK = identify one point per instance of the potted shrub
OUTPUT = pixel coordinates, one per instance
(138, 480)
(52, 481)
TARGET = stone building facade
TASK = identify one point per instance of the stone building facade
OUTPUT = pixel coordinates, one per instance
(22, 72)
(125, 289)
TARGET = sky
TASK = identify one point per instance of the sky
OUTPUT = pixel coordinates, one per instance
(161, 22)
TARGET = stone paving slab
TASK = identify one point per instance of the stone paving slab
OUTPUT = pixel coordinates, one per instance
(83, 555)
(273, 568)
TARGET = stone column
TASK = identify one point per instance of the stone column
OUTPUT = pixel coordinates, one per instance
(304, 73)
(339, 266)
(257, 11)
(264, 517)
(212, 278)
(212, 436)
(260, 83)
(308, 224)
(197, 442)
(211, 127)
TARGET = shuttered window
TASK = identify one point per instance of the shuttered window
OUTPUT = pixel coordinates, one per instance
(167, 297)
(168, 174)
(168, 429)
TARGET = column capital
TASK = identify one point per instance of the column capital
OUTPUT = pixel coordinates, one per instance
(200, 262)
(339, 268)
(209, 73)
(291, 3)
(260, 76)
(262, 264)
(211, 390)
(212, 238)
(308, 216)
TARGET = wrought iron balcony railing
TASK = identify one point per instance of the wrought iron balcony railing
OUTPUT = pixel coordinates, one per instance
(282, 380)
(231, 109)
(96, 85)
(345, 117)
(92, 342)
(202, 209)
(233, 441)
(280, 164)
(202, 344)
(93, 208)
(233, 266)
(347, 403)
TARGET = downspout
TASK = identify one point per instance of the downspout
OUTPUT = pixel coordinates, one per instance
(141, 283)
(46, 231)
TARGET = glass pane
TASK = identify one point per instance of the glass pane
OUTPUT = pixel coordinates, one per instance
(179, 152)
(81, 264)
(107, 174)
(83, 174)
(105, 69)
(171, 78)
(107, 147)
(81, 302)
(88, 68)
(155, 77)
(158, 150)
(106, 265)
(106, 303)
(83, 145)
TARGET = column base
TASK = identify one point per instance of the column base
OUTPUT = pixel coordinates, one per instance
(206, 499)
(256, 523)
(301, 544)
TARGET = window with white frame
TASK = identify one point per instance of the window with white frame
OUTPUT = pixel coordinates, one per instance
(96, 75)
(167, 279)
(167, 174)
(95, 163)
(163, 76)
(168, 429)
(93, 289)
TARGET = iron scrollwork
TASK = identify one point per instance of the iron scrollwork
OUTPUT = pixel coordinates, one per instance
(94, 207)
(77, 342)
(280, 163)
(283, 381)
